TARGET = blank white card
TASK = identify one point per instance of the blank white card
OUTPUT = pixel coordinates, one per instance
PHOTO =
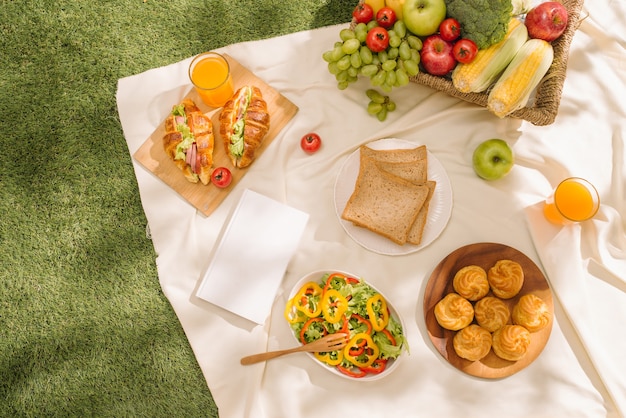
(252, 255)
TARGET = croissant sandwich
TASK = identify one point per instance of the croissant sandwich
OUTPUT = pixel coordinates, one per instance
(189, 141)
(244, 122)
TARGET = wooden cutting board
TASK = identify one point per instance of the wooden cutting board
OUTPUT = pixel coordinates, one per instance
(440, 284)
(207, 198)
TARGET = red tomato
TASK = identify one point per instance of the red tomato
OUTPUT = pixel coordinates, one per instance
(386, 17)
(377, 39)
(221, 177)
(311, 142)
(465, 51)
(450, 29)
(363, 13)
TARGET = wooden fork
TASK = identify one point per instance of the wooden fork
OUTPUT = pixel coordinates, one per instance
(330, 342)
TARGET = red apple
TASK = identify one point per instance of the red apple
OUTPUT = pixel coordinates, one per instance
(547, 21)
(437, 56)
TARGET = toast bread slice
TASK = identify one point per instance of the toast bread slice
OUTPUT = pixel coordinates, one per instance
(417, 229)
(414, 171)
(410, 164)
(383, 202)
(395, 155)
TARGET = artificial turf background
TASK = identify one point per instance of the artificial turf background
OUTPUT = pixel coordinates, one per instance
(84, 327)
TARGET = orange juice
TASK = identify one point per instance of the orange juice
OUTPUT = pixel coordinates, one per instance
(574, 200)
(210, 75)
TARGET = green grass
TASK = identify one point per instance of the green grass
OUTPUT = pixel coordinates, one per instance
(84, 327)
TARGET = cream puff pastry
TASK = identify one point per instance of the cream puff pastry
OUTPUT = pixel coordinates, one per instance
(532, 313)
(511, 342)
(454, 312)
(506, 278)
(471, 282)
(491, 313)
(472, 342)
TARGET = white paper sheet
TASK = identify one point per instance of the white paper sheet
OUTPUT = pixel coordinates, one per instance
(252, 255)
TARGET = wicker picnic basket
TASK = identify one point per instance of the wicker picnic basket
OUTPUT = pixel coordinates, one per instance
(543, 108)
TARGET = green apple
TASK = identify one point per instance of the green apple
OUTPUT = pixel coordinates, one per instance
(493, 159)
(422, 17)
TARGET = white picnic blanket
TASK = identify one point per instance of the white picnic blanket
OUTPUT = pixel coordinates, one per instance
(582, 370)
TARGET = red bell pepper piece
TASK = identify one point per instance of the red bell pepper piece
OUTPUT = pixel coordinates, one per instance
(352, 280)
(377, 367)
(363, 321)
(307, 325)
(332, 277)
(352, 371)
(357, 350)
(345, 326)
(389, 336)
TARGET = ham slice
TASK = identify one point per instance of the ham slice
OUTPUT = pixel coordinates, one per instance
(193, 160)
(188, 156)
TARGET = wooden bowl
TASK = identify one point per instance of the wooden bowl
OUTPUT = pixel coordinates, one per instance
(439, 284)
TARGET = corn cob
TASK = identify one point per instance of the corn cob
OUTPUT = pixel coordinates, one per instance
(512, 91)
(489, 63)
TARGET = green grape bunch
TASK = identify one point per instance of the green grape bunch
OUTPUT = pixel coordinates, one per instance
(393, 67)
(379, 104)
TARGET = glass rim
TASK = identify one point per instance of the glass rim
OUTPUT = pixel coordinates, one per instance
(199, 58)
(593, 192)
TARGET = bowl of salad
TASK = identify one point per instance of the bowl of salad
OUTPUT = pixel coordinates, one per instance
(331, 301)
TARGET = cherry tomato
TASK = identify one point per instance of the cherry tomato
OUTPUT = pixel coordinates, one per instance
(386, 17)
(465, 51)
(311, 142)
(377, 39)
(450, 29)
(221, 177)
(363, 13)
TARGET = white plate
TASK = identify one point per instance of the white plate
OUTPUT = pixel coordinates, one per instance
(392, 364)
(439, 210)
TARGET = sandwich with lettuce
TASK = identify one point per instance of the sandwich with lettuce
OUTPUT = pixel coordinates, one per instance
(244, 123)
(189, 141)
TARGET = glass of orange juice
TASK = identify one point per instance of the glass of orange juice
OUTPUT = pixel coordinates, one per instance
(573, 200)
(210, 74)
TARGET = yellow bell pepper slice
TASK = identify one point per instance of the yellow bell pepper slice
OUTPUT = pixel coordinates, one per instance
(332, 358)
(377, 311)
(307, 299)
(334, 305)
(293, 315)
(367, 356)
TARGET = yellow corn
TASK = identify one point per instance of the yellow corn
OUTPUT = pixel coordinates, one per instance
(489, 63)
(513, 89)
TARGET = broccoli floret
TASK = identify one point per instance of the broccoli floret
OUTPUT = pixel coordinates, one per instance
(483, 21)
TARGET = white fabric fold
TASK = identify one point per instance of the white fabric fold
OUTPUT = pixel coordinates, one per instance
(593, 296)
(581, 370)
